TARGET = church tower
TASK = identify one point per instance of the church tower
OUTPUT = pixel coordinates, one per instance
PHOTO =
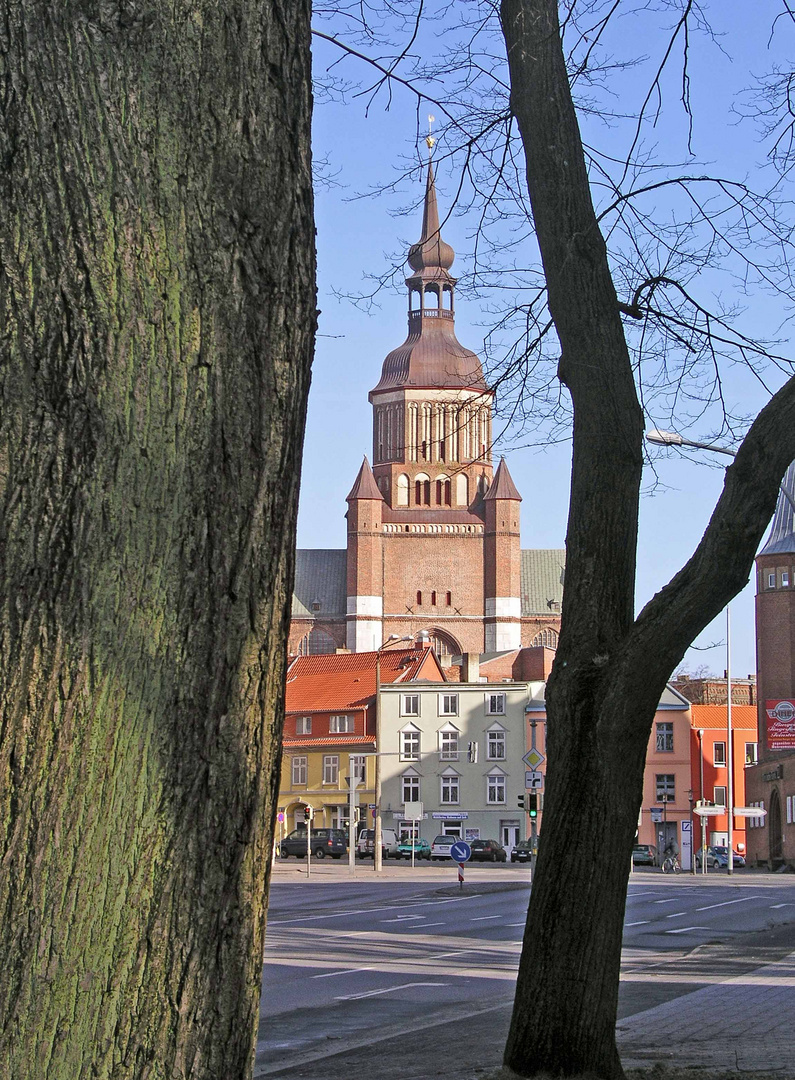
(432, 529)
(448, 552)
(771, 783)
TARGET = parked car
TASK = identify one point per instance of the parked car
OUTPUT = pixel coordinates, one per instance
(440, 847)
(422, 849)
(324, 842)
(389, 844)
(718, 858)
(487, 851)
(644, 855)
(522, 852)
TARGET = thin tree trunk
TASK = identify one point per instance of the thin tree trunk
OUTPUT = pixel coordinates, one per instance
(157, 313)
(610, 669)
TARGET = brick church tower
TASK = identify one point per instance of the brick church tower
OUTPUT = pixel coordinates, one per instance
(433, 540)
(771, 783)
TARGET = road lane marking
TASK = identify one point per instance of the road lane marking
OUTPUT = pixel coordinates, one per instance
(674, 900)
(402, 918)
(676, 915)
(781, 905)
(483, 918)
(643, 922)
(425, 925)
(345, 971)
(387, 990)
(742, 900)
(516, 924)
(685, 929)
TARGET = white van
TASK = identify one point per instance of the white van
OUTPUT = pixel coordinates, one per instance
(389, 844)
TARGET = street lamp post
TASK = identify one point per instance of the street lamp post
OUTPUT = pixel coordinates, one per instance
(391, 640)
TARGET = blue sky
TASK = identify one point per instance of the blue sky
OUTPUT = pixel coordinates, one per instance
(367, 149)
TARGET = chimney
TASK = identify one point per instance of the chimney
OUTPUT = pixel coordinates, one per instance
(470, 667)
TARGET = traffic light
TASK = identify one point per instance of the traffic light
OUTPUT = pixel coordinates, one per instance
(520, 802)
(309, 812)
(532, 804)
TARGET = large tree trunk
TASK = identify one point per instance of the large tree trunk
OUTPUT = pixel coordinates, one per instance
(610, 669)
(157, 313)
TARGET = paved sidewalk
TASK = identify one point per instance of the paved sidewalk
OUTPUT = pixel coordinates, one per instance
(743, 1025)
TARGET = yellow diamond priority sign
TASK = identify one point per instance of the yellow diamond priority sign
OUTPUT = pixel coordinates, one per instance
(533, 758)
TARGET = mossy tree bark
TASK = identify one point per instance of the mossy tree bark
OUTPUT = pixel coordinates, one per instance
(610, 668)
(157, 312)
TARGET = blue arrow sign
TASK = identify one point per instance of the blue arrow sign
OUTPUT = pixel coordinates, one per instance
(460, 851)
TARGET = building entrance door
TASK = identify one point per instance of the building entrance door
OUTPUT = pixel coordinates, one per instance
(509, 834)
(774, 828)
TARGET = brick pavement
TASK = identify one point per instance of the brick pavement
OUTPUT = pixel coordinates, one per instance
(742, 1025)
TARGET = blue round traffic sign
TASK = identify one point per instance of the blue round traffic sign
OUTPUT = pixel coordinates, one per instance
(460, 851)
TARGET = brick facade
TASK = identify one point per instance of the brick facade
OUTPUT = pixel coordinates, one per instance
(433, 540)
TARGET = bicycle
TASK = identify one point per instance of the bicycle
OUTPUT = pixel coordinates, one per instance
(671, 865)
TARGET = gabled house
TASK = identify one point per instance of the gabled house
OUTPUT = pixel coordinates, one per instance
(709, 780)
(330, 725)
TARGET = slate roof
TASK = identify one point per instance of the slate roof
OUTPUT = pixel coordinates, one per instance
(321, 575)
(542, 580)
(781, 540)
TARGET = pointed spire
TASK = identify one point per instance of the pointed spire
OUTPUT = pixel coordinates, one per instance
(364, 486)
(430, 252)
(502, 486)
(782, 533)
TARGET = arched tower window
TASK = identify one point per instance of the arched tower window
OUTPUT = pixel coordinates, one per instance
(402, 490)
(443, 644)
(422, 489)
(316, 643)
(462, 490)
(546, 637)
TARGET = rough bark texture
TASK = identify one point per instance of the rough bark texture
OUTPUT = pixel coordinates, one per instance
(157, 312)
(610, 669)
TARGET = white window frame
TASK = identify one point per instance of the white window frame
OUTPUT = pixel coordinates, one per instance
(449, 738)
(771, 580)
(331, 769)
(662, 788)
(410, 786)
(785, 579)
(299, 768)
(754, 756)
(495, 704)
(719, 759)
(495, 737)
(664, 733)
(303, 725)
(410, 735)
(496, 788)
(449, 785)
(448, 705)
(341, 724)
(358, 763)
(409, 704)
(719, 795)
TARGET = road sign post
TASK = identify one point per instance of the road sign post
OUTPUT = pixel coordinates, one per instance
(460, 852)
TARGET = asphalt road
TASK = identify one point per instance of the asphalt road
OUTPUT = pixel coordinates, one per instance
(354, 962)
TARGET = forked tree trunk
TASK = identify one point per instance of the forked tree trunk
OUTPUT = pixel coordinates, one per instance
(157, 312)
(610, 668)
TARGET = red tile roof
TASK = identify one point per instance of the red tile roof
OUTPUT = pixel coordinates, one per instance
(328, 740)
(340, 681)
(714, 716)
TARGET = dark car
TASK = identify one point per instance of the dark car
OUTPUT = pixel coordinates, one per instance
(644, 855)
(523, 852)
(324, 842)
(487, 851)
